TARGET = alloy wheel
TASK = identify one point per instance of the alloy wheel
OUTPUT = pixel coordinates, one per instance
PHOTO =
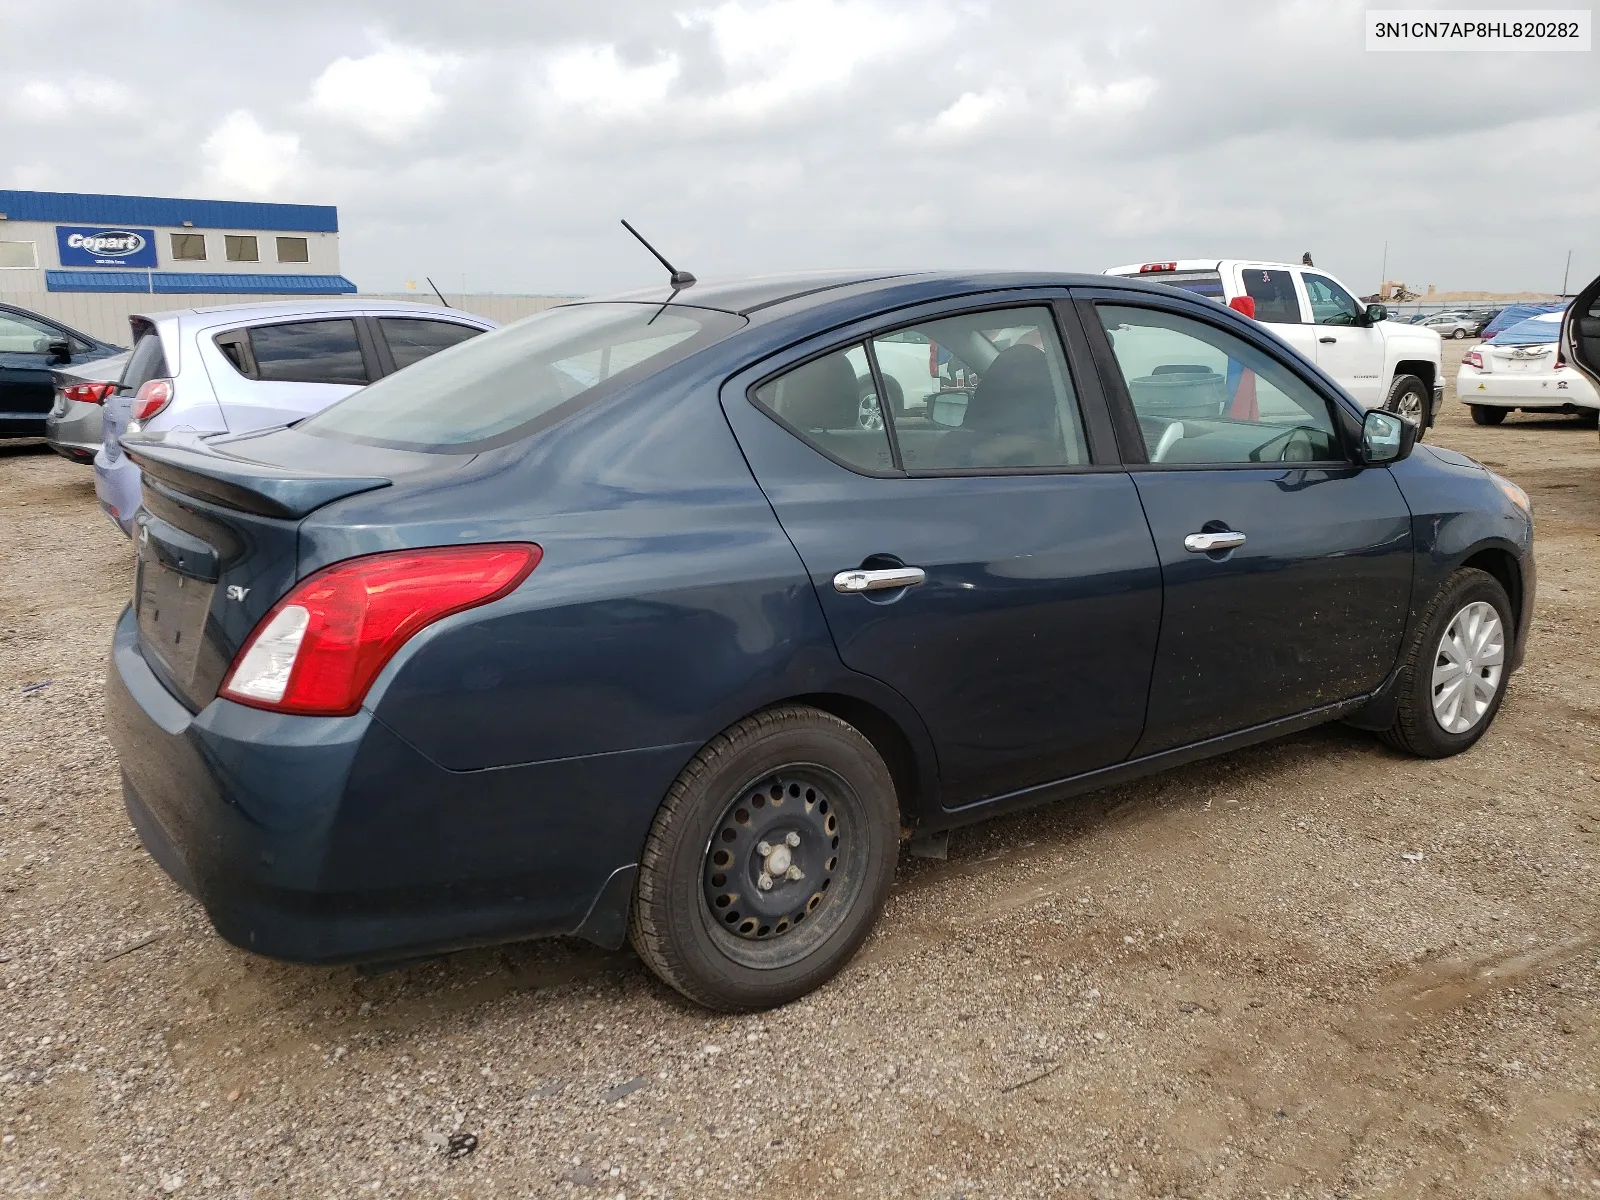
(1468, 667)
(1410, 406)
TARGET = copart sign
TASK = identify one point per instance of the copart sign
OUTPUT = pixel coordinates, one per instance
(92, 246)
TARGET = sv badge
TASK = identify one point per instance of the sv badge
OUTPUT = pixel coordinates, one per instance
(235, 592)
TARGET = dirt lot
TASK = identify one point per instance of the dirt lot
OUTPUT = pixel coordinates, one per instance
(1314, 968)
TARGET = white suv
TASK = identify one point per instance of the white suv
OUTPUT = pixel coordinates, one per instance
(242, 367)
(1381, 363)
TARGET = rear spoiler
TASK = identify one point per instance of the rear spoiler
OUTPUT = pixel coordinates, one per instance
(252, 487)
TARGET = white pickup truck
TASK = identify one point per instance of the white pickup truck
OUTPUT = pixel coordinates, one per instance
(1381, 363)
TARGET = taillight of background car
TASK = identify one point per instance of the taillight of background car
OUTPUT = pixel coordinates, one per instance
(151, 398)
(1472, 359)
(89, 393)
(319, 649)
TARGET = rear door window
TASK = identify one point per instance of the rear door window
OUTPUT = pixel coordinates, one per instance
(1274, 294)
(309, 352)
(412, 339)
(831, 403)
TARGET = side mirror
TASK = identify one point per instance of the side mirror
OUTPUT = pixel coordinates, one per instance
(1386, 438)
(59, 351)
(1376, 313)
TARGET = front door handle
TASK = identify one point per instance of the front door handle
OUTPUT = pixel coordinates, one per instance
(1206, 543)
(851, 582)
(1328, 341)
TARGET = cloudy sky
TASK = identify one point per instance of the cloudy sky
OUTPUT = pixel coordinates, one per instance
(498, 144)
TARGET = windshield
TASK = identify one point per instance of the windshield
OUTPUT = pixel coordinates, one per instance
(507, 384)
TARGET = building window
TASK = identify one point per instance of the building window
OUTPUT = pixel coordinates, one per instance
(189, 247)
(18, 254)
(293, 249)
(242, 247)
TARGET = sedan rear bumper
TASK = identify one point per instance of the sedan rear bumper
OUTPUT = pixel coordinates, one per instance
(331, 839)
(1540, 391)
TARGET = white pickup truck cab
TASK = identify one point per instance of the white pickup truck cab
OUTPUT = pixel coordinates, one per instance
(1381, 363)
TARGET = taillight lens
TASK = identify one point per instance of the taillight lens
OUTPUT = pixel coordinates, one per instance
(89, 393)
(1473, 359)
(319, 649)
(151, 398)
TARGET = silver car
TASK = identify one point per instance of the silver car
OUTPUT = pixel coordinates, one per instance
(1455, 325)
(73, 427)
(243, 367)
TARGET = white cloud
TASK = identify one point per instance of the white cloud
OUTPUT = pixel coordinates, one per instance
(594, 78)
(970, 110)
(788, 49)
(388, 94)
(47, 98)
(242, 157)
(1124, 96)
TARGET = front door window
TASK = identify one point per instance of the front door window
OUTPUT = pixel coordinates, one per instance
(1330, 303)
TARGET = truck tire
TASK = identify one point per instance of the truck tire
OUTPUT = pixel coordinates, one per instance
(769, 861)
(1487, 414)
(1408, 397)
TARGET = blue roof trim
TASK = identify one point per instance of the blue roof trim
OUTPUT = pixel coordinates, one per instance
(184, 282)
(83, 208)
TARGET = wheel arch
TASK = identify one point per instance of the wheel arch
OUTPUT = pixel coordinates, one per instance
(915, 781)
(1420, 367)
(1503, 566)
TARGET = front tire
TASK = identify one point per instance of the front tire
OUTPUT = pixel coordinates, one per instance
(768, 863)
(1454, 675)
(1487, 414)
(1408, 398)
(1459, 334)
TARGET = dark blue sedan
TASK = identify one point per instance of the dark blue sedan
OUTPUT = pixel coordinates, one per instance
(668, 620)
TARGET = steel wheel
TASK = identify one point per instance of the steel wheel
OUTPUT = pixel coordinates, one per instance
(1467, 667)
(783, 866)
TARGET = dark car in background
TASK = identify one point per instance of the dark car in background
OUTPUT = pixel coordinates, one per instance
(623, 622)
(31, 347)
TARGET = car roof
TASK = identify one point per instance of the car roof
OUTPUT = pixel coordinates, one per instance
(792, 293)
(319, 306)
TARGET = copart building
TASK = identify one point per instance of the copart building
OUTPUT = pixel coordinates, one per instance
(90, 259)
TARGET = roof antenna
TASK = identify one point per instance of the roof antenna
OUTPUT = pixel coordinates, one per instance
(679, 279)
(437, 292)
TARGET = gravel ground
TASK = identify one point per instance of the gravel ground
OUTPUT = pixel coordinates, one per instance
(1312, 968)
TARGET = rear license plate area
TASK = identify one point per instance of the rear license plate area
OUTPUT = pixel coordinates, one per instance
(172, 609)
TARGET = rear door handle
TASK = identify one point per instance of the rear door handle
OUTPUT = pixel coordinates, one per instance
(851, 582)
(1205, 543)
(1327, 341)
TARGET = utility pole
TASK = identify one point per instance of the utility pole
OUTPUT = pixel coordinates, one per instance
(1565, 271)
(1383, 271)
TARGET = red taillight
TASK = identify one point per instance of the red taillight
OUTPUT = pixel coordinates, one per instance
(1472, 359)
(319, 649)
(1152, 268)
(151, 398)
(89, 393)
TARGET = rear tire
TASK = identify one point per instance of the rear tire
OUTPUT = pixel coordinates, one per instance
(1458, 611)
(1459, 334)
(1408, 397)
(768, 863)
(1487, 414)
(1589, 418)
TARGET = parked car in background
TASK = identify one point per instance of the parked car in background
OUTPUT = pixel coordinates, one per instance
(1381, 363)
(1522, 370)
(1453, 325)
(74, 427)
(616, 622)
(244, 367)
(1513, 314)
(31, 346)
(1580, 333)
